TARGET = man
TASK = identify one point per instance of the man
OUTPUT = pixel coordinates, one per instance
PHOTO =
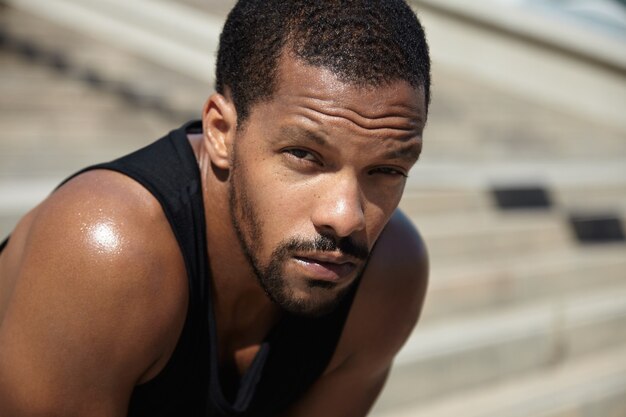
(253, 263)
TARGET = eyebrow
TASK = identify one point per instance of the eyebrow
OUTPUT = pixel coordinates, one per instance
(302, 134)
(409, 152)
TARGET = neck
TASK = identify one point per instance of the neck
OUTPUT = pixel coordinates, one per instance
(242, 310)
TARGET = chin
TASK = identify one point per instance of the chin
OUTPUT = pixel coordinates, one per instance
(315, 301)
(306, 309)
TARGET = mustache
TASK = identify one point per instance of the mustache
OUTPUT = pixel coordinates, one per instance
(327, 243)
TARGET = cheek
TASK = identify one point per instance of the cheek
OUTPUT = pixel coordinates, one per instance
(280, 208)
(381, 202)
(385, 195)
(376, 218)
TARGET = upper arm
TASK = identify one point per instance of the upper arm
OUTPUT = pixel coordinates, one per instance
(76, 335)
(384, 312)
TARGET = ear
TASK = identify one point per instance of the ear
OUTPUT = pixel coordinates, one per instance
(219, 123)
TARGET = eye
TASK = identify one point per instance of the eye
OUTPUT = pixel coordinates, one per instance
(301, 154)
(393, 172)
(298, 153)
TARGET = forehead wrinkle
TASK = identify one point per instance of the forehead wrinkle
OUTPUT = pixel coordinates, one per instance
(390, 120)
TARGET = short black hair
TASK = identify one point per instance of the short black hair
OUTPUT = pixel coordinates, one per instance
(364, 42)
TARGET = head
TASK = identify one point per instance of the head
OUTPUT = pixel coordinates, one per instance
(364, 42)
(317, 120)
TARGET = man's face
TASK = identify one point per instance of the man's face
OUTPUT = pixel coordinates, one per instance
(316, 174)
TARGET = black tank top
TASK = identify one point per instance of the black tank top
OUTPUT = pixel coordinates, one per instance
(290, 359)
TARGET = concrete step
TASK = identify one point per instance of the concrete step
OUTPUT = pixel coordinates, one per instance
(422, 200)
(200, 30)
(111, 128)
(451, 239)
(596, 198)
(492, 283)
(450, 356)
(462, 237)
(594, 386)
(22, 84)
(76, 125)
(560, 74)
(218, 8)
(464, 171)
(98, 62)
(169, 34)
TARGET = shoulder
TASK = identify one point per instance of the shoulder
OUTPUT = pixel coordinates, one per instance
(103, 213)
(104, 231)
(390, 296)
(399, 255)
(101, 221)
(95, 258)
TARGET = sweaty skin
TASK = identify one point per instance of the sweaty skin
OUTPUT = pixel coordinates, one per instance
(83, 270)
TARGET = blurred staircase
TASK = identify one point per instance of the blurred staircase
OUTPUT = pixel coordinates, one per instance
(521, 318)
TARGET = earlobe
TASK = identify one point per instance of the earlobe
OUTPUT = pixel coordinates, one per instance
(219, 123)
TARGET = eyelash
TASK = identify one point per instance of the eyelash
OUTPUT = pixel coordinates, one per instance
(296, 150)
(389, 171)
(303, 154)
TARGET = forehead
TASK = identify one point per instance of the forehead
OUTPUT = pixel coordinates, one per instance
(396, 104)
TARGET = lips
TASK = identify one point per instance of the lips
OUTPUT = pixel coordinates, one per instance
(325, 269)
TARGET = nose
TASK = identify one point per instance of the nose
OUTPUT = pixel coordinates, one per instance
(339, 209)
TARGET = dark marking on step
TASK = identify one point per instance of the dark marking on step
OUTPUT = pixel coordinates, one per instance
(597, 228)
(522, 197)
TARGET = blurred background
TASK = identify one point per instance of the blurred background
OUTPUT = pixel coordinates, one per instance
(520, 192)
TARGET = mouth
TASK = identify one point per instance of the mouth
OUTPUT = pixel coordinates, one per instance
(326, 268)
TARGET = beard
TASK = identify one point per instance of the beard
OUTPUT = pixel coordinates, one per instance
(248, 227)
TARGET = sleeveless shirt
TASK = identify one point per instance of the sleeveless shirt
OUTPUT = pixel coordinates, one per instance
(292, 356)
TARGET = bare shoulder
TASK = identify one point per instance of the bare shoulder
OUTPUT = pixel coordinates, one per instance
(90, 272)
(390, 296)
(397, 273)
(100, 222)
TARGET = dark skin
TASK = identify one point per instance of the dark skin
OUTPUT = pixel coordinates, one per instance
(83, 270)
